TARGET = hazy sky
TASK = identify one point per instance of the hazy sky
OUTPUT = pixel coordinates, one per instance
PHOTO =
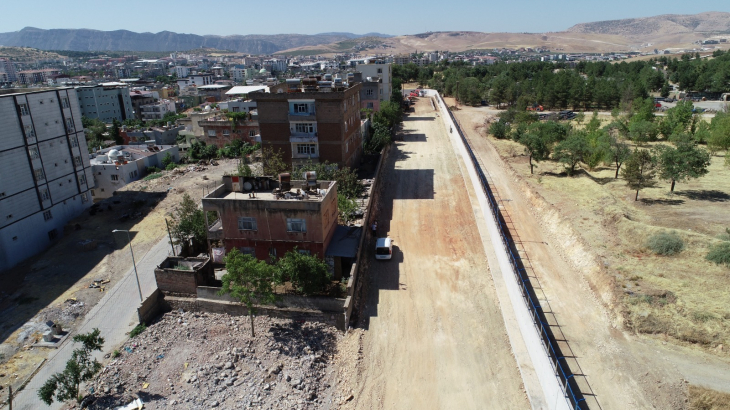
(288, 16)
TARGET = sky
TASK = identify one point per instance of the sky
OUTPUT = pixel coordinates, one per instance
(393, 17)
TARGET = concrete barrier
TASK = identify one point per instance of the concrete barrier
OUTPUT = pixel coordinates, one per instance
(152, 307)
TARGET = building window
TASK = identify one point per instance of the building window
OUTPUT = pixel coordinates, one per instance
(64, 102)
(45, 196)
(93, 193)
(248, 251)
(84, 198)
(69, 125)
(74, 141)
(52, 234)
(369, 92)
(226, 132)
(77, 161)
(47, 215)
(306, 127)
(304, 251)
(211, 133)
(306, 148)
(301, 108)
(252, 133)
(370, 105)
(380, 71)
(296, 225)
(82, 179)
(115, 177)
(39, 175)
(33, 152)
(23, 109)
(29, 132)
(246, 224)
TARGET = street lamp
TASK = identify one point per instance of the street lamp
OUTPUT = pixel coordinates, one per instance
(139, 288)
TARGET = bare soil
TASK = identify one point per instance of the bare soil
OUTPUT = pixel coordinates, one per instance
(432, 334)
(630, 317)
(54, 285)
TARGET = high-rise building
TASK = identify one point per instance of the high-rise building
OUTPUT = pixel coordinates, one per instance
(45, 176)
(7, 67)
(105, 103)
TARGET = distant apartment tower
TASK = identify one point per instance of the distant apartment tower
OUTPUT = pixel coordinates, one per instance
(379, 72)
(311, 120)
(45, 176)
(37, 76)
(7, 67)
(158, 110)
(105, 103)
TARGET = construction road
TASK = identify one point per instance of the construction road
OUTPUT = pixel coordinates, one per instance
(115, 315)
(436, 337)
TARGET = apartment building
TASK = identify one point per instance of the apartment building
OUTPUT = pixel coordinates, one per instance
(37, 76)
(45, 175)
(263, 217)
(220, 130)
(157, 111)
(117, 166)
(312, 119)
(379, 72)
(105, 102)
(7, 67)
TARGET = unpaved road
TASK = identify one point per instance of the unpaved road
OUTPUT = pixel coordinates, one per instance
(435, 336)
(621, 369)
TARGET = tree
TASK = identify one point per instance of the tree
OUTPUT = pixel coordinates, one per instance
(572, 150)
(681, 163)
(250, 281)
(273, 162)
(499, 129)
(639, 171)
(115, 132)
(167, 160)
(380, 138)
(536, 148)
(619, 152)
(345, 206)
(719, 139)
(79, 369)
(665, 90)
(189, 227)
(594, 123)
(678, 119)
(308, 274)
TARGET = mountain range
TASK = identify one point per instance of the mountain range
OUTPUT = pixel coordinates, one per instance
(637, 34)
(123, 40)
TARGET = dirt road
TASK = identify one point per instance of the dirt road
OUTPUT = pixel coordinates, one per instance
(620, 370)
(435, 336)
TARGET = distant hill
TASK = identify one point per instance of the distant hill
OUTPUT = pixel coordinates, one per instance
(668, 24)
(96, 40)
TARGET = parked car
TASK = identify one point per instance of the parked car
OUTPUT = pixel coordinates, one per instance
(383, 248)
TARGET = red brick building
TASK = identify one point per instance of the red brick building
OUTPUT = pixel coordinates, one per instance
(257, 219)
(220, 130)
(312, 120)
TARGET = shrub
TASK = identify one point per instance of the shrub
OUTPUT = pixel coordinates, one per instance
(138, 330)
(171, 166)
(150, 177)
(720, 254)
(665, 243)
(152, 170)
(116, 354)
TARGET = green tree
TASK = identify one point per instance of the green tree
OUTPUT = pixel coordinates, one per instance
(381, 137)
(188, 226)
(719, 139)
(639, 171)
(572, 150)
(167, 160)
(499, 129)
(307, 273)
(79, 369)
(273, 162)
(345, 207)
(678, 119)
(115, 132)
(250, 281)
(681, 163)
(537, 148)
(594, 123)
(641, 131)
(619, 152)
(665, 90)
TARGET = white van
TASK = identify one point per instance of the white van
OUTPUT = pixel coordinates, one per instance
(384, 248)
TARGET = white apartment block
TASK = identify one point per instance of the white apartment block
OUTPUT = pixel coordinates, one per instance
(105, 103)
(157, 110)
(382, 71)
(117, 166)
(45, 175)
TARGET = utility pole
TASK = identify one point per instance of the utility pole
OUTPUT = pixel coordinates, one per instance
(170, 235)
(456, 103)
(10, 397)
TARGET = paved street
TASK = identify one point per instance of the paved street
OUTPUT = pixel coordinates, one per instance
(115, 315)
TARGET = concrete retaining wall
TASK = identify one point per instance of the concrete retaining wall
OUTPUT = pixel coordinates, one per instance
(151, 307)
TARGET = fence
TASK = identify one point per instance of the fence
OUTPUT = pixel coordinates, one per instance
(562, 371)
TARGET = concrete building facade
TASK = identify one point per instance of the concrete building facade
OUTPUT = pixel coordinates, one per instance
(117, 166)
(384, 74)
(45, 175)
(313, 121)
(271, 223)
(8, 67)
(105, 103)
(157, 110)
(220, 130)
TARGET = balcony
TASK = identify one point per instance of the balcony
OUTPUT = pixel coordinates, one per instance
(302, 116)
(302, 137)
(215, 231)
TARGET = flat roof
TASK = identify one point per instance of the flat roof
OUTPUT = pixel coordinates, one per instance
(245, 89)
(213, 87)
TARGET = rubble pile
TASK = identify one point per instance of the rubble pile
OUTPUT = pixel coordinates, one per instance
(191, 360)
